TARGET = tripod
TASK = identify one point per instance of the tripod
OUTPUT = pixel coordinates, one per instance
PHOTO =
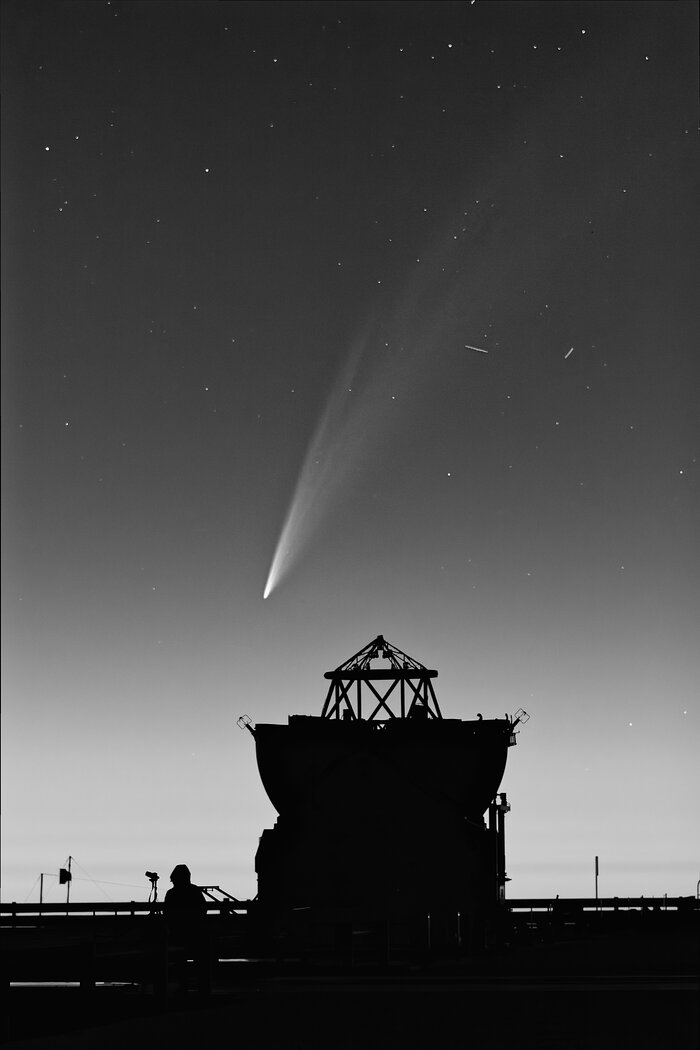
(153, 879)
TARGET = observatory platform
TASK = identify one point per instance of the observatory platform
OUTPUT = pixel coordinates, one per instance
(381, 800)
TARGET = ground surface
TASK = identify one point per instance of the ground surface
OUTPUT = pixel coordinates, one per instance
(632, 992)
(356, 1013)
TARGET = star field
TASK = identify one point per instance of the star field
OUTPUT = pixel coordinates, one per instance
(431, 266)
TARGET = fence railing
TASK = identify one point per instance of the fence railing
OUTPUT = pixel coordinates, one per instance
(590, 904)
(14, 914)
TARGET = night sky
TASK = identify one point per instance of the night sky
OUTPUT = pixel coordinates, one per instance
(247, 247)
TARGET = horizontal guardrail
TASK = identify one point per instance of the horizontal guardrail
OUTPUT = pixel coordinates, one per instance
(113, 908)
(613, 904)
(16, 913)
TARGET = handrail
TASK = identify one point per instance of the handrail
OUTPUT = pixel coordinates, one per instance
(561, 904)
(552, 904)
(104, 908)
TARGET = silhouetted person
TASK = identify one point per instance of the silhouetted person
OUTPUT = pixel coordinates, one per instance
(185, 910)
(184, 904)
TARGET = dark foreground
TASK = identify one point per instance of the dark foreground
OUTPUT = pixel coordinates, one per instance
(537, 998)
(561, 977)
(355, 1013)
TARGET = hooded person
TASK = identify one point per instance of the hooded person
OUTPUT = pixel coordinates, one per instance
(184, 905)
(185, 910)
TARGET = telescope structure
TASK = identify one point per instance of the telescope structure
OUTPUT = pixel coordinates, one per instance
(381, 800)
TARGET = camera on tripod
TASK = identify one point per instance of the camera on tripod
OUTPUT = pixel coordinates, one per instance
(153, 878)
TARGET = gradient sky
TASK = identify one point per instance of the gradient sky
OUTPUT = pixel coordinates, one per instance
(213, 213)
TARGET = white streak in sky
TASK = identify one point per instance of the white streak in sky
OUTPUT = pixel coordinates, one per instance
(568, 353)
(389, 367)
(349, 420)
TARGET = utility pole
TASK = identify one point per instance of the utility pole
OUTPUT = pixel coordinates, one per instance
(64, 875)
(41, 883)
(596, 881)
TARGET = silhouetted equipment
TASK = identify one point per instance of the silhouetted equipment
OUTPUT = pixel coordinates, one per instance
(497, 826)
(225, 898)
(416, 695)
(152, 877)
(244, 722)
(381, 800)
(65, 878)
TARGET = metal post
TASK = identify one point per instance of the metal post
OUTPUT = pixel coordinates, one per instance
(493, 835)
(41, 888)
(596, 881)
(69, 881)
(501, 839)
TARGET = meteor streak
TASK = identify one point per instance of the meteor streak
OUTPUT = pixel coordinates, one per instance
(477, 348)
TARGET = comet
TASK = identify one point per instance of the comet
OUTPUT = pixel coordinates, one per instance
(387, 366)
(347, 425)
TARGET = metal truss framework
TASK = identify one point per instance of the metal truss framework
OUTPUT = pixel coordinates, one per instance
(408, 683)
